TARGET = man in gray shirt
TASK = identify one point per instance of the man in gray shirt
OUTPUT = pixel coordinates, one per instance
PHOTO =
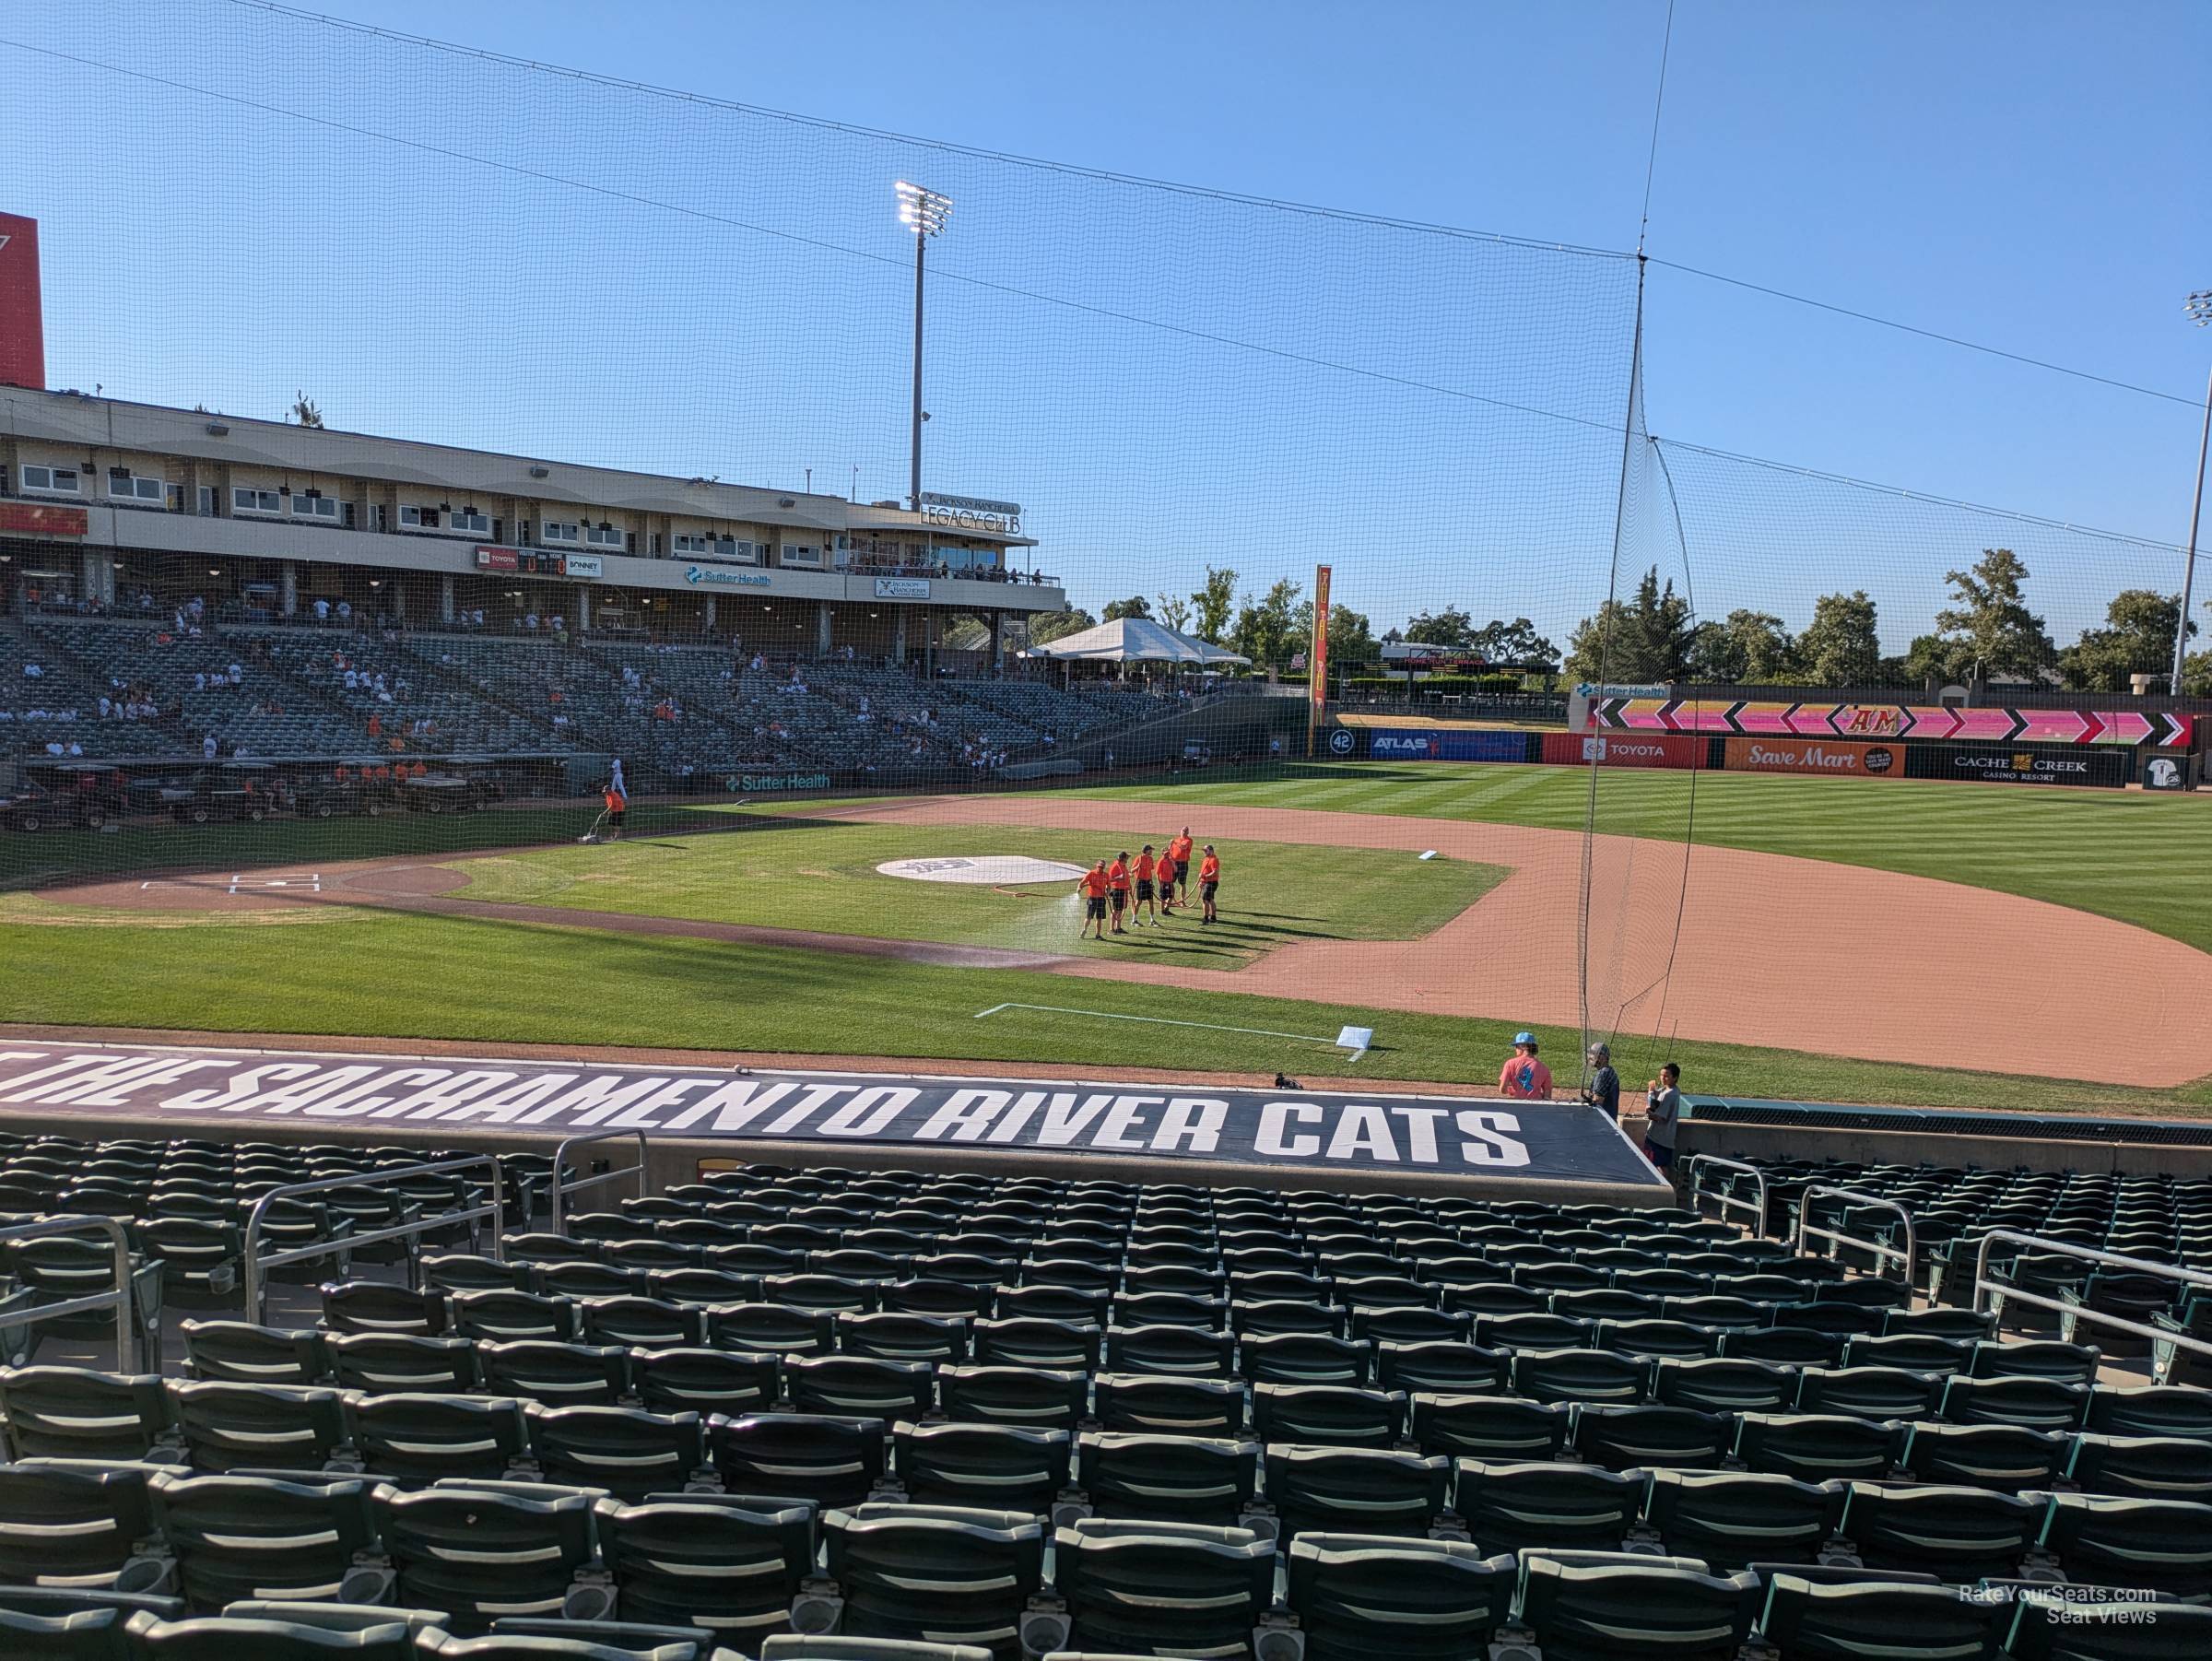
(1663, 1097)
(1604, 1090)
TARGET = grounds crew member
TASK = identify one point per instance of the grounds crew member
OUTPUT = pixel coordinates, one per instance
(1117, 888)
(1094, 886)
(1168, 874)
(1146, 869)
(1209, 881)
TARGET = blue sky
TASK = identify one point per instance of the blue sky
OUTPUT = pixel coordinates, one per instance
(2018, 174)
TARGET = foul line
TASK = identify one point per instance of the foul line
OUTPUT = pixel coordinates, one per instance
(1161, 1021)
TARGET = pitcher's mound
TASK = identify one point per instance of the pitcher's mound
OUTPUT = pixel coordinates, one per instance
(989, 868)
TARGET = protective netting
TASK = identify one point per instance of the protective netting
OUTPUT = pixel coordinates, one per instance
(1195, 399)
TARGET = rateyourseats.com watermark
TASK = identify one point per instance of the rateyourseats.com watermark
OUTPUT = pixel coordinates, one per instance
(2075, 1606)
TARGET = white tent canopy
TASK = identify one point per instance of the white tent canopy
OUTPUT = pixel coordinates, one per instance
(1134, 640)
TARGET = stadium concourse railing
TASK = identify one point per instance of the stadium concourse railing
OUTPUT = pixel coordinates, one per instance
(120, 1294)
(1880, 1249)
(558, 1188)
(1987, 1292)
(258, 1262)
(1701, 1162)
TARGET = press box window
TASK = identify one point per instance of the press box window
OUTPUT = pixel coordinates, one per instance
(555, 530)
(125, 486)
(469, 519)
(53, 481)
(605, 535)
(313, 504)
(243, 500)
(418, 519)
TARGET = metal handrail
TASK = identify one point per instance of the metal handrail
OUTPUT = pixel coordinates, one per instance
(120, 1296)
(256, 1263)
(1805, 1231)
(2142, 1266)
(560, 1156)
(1728, 1202)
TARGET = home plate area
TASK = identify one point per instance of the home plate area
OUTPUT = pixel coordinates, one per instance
(993, 870)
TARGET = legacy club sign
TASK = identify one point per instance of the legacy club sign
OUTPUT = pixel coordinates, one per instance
(198, 1090)
(971, 512)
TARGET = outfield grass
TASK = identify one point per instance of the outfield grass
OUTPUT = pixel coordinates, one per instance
(824, 877)
(2134, 856)
(379, 974)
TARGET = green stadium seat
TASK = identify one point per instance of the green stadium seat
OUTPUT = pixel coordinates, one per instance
(451, 1272)
(1783, 1346)
(75, 1412)
(1718, 1385)
(2008, 1458)
(1327, 1415)
(1166, 1478)
(514, 1317)
(992, 1466)
(940, 1575)
(1967, 1325)
(247, 1537)
(1411, 1325)
(626, 1451)
(227, 1638)
(633, 1323)
(1145, 1403)
(2070, 1623)
(380, 1306)
(1348, 1490)
(2037, 1404)
(1582, 1611)
(697, 1288)
(829, 1461)
(480, 1555)
(559, 1375)
(375, 1362)
(1534, 1331)
(730, 1565)
(1655, 1338)
(246, 1354)
(1732, 1519)
(1553, 1506)
(1914, 1351)
(934, 1340)
(1151, 1588)
(1301, 1358)
(1578, 1375)
(1820, 1447)
(2150, 1410)
(2066, 1363)
(65, 1525)
(853, 1386)
(2156, 1545)
(1640, 1437)
(289, 1426)
(771, 1329)
(1032, 1398)
(2142, 1468)
(415, 1439)
(1808, 1620)
(1869, 1391)
(1371, 1597)
(1960, 1534)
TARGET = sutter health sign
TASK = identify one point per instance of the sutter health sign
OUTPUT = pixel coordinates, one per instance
(202, 1092)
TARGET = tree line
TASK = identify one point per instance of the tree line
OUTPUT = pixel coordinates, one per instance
(1987, 631)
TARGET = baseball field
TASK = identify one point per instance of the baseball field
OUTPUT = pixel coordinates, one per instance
(1822, 939)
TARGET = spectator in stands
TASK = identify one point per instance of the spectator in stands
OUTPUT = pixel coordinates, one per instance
(345, 614)
(1662, 1108)
(321, 611)
(208, 746)
(1603, 1093)
(1524, 1077)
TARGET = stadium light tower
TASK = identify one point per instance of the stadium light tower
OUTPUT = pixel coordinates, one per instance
(923, 212)
(2199, 309)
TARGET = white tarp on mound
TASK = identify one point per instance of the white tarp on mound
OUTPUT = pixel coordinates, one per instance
(1008, 869)
(1135, 639)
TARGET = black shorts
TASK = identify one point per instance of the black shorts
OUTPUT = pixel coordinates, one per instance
(1167, 887)
(1144, 888)
(614, 815)
(1120, 898)
(1205, 890)
(1095, 905)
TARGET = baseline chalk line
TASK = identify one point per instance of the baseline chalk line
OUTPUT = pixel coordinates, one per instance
(1161, 1021)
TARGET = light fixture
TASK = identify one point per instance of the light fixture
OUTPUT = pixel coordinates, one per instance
(217, 430)
(539, 472)
(786, 501)
(922, 210)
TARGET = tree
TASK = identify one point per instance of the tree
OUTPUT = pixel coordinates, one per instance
(1516, 643)
(305, 412)
(1931, 657)
(1840, 646)
(2137, 638)
(1052, 625)
(1351, 637)
(1211, 605)
(1450, 627)
(1989, 622)
(1174, 613)
(1641, 641)
(1135, 605)
(1745, 646)
(1266, 631)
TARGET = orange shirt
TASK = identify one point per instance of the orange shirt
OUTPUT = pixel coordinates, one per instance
(1145, 865)
(1166, 868)
(614, 802)
(1094, 884)
(1117, 877)
(1209, 868)
(1179, 850)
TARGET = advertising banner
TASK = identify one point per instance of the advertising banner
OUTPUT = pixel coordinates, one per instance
(581, 565)
(2169, 773)
(496, 558)
(1624, 750)
(902, 588)
(1317, 686)
(1815, 755)
(22, 329)
(1440, 744)
(232, 1092)
(2017, 764)
(29, 519)
(1752, 717)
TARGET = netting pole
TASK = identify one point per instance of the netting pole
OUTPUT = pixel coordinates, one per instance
(1605, 661)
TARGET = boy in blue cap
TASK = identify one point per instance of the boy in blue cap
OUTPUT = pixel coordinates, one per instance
(1523, 1077)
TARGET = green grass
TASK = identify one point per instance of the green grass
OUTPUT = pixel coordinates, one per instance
(824, 877)
(382, 975)
(2133, 855)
